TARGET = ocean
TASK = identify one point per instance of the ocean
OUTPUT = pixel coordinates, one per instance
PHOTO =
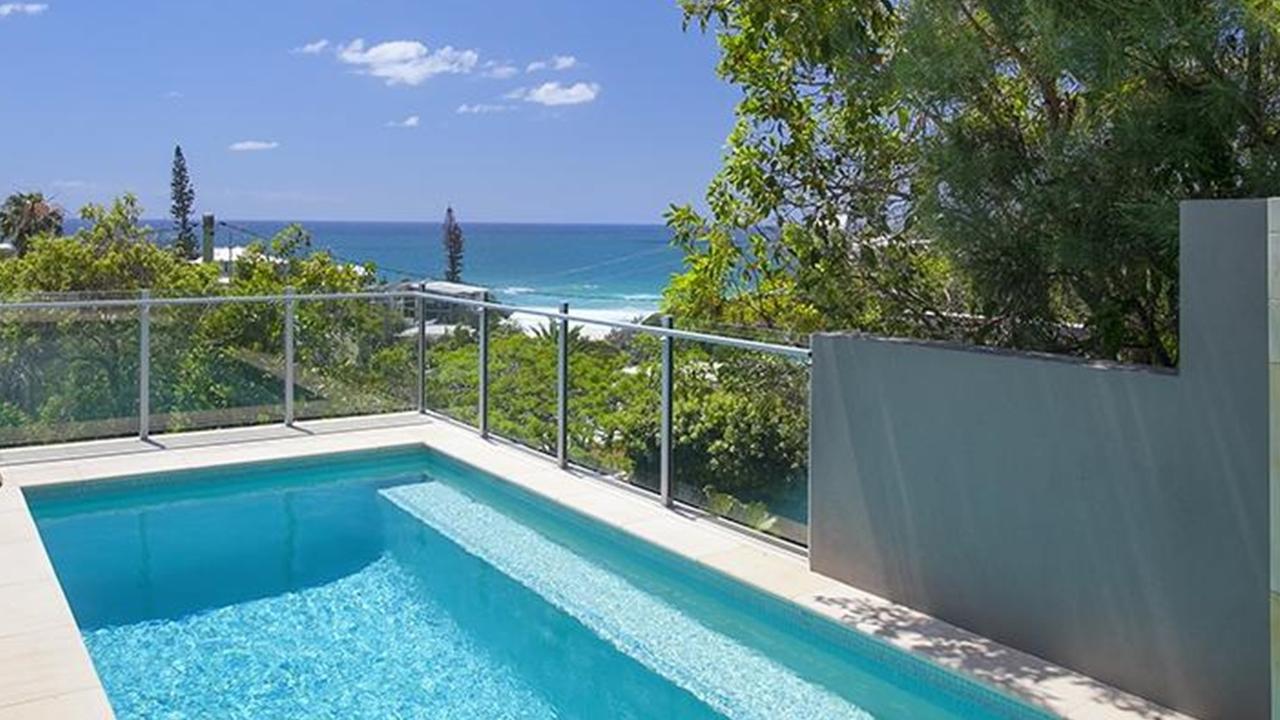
(614, 272)
(611, 271)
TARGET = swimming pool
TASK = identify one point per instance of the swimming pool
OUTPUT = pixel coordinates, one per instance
(402, 583)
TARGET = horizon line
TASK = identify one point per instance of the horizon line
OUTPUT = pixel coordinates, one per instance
(464, 223)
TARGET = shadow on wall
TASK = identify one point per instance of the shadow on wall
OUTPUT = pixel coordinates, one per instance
(1114, 520)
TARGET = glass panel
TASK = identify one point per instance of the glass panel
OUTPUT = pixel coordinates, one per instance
(741, 435)
(522, 381)
(68, 374)
(614, 404)
(216, 366)
(355, 357)
(453, 361)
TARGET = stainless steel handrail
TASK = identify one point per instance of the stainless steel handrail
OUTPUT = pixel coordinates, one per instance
(202, 300)
(290, 300)
(656, 331)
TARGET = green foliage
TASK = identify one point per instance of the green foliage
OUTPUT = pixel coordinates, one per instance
(452, 376)
(740, 419)
(611, 397)
(352, 359)
(74, 373)
(740, 422)
(26, 216)
(1003, 171)
(522, 377)
(183, 197)
(112, 254)
(755, 515)
(740, 429)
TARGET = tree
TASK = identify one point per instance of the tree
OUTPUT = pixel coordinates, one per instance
(183, 197)
(25, 216)
(66, 375)
(452, 247)
(111, 253)
(740, 433)
(74, 373)
(1005, 172)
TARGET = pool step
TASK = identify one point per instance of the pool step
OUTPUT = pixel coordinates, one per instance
(730, 677)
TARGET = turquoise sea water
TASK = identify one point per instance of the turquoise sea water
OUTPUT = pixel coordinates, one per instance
(618, 269)
(404, 584)
(602, 267)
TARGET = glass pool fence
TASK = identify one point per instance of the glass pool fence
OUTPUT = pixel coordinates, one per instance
(714, 421)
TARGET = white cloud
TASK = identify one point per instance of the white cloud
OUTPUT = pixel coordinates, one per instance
(556, 62)
(253, 145)
(312, 48)
(406, 62)
(500, 71)
(483, 109)
(553, 93)
(174, 95)
(8, 9)
(410, 122)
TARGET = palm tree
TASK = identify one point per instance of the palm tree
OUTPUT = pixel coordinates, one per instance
(24, 216)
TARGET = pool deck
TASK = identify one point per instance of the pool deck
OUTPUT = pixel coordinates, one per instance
(45, 671)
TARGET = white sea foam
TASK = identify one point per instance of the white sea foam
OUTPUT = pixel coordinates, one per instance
(530, 323)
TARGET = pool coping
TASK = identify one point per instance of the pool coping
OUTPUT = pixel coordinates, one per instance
(45, 670)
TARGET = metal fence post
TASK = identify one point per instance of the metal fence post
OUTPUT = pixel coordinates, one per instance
(419, 314)
(562, 384)
(144, 366)
(288, 355)
(484, 373)
(808, 455)
(668, 382)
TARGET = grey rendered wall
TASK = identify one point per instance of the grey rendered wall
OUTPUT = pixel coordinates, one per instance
(1113, 520)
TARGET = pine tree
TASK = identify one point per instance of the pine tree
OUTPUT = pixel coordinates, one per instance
(452, 247)
(184, 197)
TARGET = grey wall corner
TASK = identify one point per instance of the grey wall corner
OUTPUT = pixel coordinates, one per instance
(1273, 440)
(1121, 522)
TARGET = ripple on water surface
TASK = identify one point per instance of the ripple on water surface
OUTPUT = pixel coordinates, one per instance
(368, 645)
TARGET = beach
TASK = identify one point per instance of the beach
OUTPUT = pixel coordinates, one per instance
(530, 323)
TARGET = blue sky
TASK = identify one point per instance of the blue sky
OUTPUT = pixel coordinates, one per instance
(556, 110)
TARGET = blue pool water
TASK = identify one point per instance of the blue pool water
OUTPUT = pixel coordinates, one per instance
(403, 584)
